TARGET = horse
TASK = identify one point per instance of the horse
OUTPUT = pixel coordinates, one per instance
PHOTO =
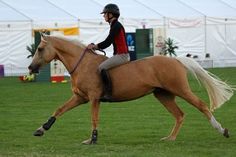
(165, 77)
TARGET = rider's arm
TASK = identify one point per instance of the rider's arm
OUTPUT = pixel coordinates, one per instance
(115, 28)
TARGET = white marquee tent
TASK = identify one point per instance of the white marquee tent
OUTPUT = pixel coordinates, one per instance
(199, 27)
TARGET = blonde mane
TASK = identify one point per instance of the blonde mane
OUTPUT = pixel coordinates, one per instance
(72, 40)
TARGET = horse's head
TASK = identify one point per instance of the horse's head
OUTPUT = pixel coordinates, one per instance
(43, 55)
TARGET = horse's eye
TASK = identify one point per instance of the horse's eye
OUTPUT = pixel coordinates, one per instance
(40, 49)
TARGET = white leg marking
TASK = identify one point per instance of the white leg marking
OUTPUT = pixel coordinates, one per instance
(216, 125)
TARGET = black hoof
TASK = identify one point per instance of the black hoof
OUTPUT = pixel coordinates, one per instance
(226, 133)
(38, 133)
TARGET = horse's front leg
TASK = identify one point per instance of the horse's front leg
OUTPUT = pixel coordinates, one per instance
(94, 119)
(74, 101)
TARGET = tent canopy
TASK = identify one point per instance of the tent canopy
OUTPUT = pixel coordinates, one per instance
(80, 9)
(39, 10)
(173, 9)
(58, 10)
(212, 8)
(9, 14)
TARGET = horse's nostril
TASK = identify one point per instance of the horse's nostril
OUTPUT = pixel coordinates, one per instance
(29, 67)
(33, 68)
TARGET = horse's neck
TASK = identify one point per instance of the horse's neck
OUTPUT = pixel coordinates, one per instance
(67, 52)
(67, 48)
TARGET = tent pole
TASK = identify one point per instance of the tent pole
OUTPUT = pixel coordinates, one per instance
(205, 34)
(165, 26)
(205, 29)
(32, 31)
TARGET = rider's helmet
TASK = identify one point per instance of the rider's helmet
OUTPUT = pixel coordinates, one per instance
(112, 8)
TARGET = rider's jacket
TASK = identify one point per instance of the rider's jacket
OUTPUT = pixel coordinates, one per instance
(116, 37)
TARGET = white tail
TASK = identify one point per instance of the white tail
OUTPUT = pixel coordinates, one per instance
(218, 91)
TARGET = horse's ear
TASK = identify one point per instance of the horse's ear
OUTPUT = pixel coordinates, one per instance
(43, 37)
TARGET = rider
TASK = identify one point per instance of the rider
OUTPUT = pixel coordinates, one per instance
(116, 37)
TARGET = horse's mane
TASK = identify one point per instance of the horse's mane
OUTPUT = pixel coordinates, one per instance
(71, 40)
(75, 42)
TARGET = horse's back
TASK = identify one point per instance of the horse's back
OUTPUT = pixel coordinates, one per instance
(142, 76)
(149, 65)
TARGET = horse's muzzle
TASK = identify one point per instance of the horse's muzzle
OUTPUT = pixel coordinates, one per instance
(33, 69)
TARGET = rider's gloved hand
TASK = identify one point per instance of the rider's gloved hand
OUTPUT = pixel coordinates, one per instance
(92, 46)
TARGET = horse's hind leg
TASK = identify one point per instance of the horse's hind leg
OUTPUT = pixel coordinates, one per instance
(201, 106)
(168, 100)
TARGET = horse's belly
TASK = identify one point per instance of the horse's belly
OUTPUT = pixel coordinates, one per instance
(131, 92)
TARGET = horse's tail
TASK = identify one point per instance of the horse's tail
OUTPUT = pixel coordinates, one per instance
(218, 91)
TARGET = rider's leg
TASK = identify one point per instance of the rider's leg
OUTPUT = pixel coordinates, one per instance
(107, 84)
(103, 69)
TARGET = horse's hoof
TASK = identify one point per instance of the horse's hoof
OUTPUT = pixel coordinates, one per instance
(89, 142)
(38, 133)
(226, 133)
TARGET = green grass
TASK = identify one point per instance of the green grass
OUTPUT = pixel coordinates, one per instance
(129, 129)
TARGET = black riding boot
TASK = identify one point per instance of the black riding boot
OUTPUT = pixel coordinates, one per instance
(107, 85)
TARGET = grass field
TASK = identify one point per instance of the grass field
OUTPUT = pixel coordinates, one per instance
(130, 129)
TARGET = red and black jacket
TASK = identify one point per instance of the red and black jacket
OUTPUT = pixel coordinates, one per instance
(116, 37)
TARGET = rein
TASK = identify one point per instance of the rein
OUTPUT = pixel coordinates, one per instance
(77, 64)
(81, 57)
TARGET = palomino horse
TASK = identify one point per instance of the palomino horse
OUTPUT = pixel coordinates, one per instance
(165, 77)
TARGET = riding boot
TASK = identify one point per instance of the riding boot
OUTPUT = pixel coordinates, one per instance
(107, 86)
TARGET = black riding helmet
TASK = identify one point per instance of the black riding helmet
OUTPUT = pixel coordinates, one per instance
(112, 8)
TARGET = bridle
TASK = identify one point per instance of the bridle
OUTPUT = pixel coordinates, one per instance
(81, 57)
